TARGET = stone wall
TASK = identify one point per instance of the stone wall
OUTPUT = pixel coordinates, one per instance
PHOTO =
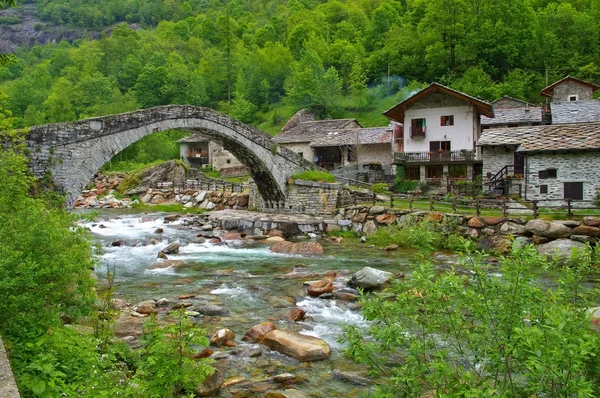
(305, 197)
(495, 158)
(570, 167)
(562, 92)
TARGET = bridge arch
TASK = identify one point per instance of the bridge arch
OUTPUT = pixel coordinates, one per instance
(74, 152)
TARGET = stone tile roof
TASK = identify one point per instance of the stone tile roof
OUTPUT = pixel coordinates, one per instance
(554, 137)
(533, 114)
(549, 91)
(311, 130)
(193, 138)
(575, 111)
(366, 136)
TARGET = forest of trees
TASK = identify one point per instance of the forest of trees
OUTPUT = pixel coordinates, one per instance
(259, 61)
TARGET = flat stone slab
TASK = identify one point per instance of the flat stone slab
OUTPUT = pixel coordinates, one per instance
(8, 386)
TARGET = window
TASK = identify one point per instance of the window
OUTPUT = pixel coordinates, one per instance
(573, 97)
(418, 128)
(543, 188)
(301, 154)
(573, 190)
(228, 161)
(412, 173)
(435, 146)
(548, 173)
(447, 120)
(436, 171)
(457, 170)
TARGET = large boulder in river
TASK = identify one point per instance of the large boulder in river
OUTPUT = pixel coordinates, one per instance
(318, 288)
(211, 385)
(560, 248)
(172, 248)
(138, 182)
(257, 332)
(298, 346)
(311, 248)
(548, 229)
(222, 337)
(369, 278)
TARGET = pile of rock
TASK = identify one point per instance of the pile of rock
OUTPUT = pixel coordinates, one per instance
(209, 200)
(93, 199)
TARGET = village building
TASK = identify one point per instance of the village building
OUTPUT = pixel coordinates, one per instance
(198, 152)
(559, 161)
(437, 133)
(571, 101)
(512, 112)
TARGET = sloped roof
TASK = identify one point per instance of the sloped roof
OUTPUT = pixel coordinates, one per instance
(397, 111)
(364, 136)
(554, 137)
(311, 130)
(548, 91)
(575, 111)
(193, 138)
(510, 102)
(533, 114)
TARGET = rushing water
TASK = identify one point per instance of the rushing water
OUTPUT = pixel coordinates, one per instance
(244, 278)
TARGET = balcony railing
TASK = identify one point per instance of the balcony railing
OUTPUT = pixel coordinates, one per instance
(434, 156)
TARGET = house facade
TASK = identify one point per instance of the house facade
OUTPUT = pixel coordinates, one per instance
(559, 161)
(571, 100)
(436, 134)
(197, 151)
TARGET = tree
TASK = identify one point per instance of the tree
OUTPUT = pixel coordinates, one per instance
(358, 83)
(58, 107)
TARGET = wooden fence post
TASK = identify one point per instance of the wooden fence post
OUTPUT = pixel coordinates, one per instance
(504, 209)
(410, 204)
(535, 208)
(477, 209)
(374, 198)
(392, 201)
(354, 197)
(569, 209)
(431, 203)
(453, 204)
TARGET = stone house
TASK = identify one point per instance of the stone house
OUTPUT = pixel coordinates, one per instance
(198, 151)
(512, 112)
(437, 132)
(560, 161)
(571, 101)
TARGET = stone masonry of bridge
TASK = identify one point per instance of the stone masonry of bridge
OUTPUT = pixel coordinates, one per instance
(73, 152)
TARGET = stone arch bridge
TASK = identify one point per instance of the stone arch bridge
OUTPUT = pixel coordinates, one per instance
(73, 152)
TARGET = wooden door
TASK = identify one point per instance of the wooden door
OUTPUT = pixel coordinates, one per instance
(519, 163)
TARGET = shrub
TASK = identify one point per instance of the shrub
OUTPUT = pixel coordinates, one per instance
(481, 335)
(381, 188)
(402, 185)
(314, 175)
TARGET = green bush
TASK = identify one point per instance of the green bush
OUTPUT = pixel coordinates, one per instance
(479, 334)
(381, 188)
(314, 175)
(400, 184)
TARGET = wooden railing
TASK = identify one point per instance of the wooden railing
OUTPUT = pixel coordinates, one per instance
(434, 156)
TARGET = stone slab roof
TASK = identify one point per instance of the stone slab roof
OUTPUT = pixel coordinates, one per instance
(193, 138)
(532, 114)
(554, 137)
(366, 136)
(311, 130)
(575, 112)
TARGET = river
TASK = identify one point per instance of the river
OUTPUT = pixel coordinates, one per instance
(244, 278)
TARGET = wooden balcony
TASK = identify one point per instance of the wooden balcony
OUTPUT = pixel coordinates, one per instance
(198, 159)
(435, 156)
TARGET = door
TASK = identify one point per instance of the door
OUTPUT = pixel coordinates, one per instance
(519, 164)
(573, 190)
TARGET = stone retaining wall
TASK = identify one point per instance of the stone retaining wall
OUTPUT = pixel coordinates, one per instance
(8, 386)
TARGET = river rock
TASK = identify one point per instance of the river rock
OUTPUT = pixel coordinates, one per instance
(341, 295)
(162, 255)
(512, 228)
(320, 287)
(476, 222)
(390, 248)
(146, 307)
(298, 346)
(211, 385)
(162, 302)
(257, 332)
(275, 239)
(172, 248)
(560, 248)
(297, 314)
(369, 278)
(119, 304)
(282, 302)
(591, 221)
(222, 337)
(166, 264)
(369, 228)
(289, 393)
(306, 248)
(587, 230)
(548, 229)
(352, 378)
(212, 310)
(127, 325)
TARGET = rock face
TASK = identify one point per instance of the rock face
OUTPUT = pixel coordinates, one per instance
(310, 248)
(560, 247)
(369, 278)
(298, 346)
(548, 229)
(150, 177)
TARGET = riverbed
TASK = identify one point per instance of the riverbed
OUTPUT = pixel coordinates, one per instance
(247, 281)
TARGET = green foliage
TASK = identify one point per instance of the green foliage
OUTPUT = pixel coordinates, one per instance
(481, 335)
(132, 180)
(381, 188)
(343, 234)
(174, 208)
(167, 368)
(402, 185)
(314, 175)
(416, 233)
